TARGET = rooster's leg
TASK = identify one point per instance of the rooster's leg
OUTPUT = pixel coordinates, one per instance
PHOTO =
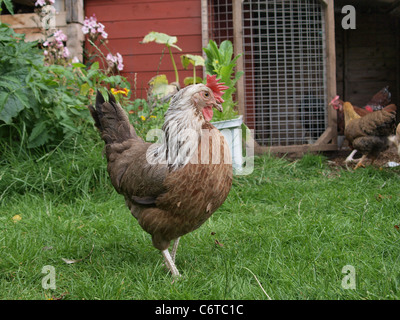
(170, 263)
(351, 155)
(174, 249)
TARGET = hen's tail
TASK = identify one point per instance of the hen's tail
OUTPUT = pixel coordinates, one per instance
(111, 120)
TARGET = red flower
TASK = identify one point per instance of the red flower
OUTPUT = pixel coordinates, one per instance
(217, 88)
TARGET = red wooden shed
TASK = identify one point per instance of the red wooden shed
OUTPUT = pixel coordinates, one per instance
(128, 21)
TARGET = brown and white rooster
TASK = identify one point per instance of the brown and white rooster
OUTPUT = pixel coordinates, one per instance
(380, 101)
(173, 187)
(370, 134)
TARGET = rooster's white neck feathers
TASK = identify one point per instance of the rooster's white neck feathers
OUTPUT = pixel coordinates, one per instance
(181, 130)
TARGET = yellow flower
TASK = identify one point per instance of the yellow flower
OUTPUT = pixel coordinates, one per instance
(123, 91)
(153, 117)
(143, 118)
(17, 218)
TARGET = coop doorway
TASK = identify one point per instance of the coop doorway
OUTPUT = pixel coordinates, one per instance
(289, 64)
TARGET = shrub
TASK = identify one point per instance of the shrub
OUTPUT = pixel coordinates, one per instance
(44, 104)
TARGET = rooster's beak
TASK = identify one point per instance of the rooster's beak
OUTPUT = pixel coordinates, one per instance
(218, 107)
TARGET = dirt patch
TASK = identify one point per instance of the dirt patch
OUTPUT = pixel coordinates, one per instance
(337, 158)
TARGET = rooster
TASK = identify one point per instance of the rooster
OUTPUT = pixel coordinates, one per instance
(173, 187)
(370, 134)
(378, 102)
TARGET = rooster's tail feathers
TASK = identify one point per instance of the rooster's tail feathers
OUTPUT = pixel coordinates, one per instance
(111, 120)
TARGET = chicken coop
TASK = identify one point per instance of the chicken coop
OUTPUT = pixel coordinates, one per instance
(289, 69)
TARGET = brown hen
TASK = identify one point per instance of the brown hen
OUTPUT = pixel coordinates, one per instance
(369, 134)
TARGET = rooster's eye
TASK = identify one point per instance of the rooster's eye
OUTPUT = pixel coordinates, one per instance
(206, 94)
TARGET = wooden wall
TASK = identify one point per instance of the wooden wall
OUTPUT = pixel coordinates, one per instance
(128, 21)
(367, 57)
(69, 18)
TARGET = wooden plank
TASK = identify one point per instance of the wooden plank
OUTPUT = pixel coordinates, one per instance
(325, 2)
(373, 74)
(238, 49)
(188, 44)
(396, 93)
(331, 66)
(149, 62)
(31, 20)
(149, 10)
(75, 12)
(381, 52)
(137, 29)
(99, 3)
(143, 77)
(326, 137)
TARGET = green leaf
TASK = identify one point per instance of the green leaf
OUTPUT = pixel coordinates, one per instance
(94, 66)
(79, 65)
(195, 60)
(10, 107)
(161, 38)
(39, 135)
(226, 51)
(9, 5)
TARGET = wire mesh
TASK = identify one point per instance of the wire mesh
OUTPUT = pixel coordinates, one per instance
(284, 64)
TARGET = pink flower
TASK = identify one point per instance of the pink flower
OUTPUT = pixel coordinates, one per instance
(120, 65)
(115, 60)
(75, 60)
(66, 52)
(111, 58)
(90, 25)
(85, 30)
(40, 3)
(100, 27)
(60, 36)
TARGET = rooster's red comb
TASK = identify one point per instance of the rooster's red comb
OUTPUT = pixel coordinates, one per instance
(217, 88)
(334, 100)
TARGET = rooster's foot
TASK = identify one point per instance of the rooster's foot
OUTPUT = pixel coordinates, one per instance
(350, 157)
(170, 263)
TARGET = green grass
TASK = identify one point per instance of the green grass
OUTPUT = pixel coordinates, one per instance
(294, 225)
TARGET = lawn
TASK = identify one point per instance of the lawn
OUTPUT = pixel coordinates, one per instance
(291, 225)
